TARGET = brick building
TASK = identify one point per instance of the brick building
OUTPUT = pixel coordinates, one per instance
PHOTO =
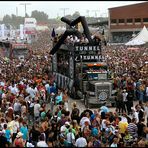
(125, 21)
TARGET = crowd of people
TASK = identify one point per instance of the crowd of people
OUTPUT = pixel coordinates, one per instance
(129, 69)
(34, 112)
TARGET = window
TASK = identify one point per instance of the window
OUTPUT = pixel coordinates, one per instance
(129, 20)
(121, 20)
(114, 21)
(145, 19)
(137, 20)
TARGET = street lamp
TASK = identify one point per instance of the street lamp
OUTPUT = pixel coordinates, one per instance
(25, 4)
(64, 10)
(95, 12)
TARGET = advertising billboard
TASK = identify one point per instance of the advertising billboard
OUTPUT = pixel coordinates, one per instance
(30, 23)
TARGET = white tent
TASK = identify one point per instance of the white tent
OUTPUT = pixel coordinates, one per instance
(60, 29)
(135, 42)
(139, 39)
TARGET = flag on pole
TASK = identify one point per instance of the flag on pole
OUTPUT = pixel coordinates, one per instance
(53, 33)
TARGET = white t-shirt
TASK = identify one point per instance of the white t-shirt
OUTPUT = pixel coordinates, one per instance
(14, 90)
(63, 128)
(37, 109)
(42, 144)
(31, 91)
(70, 137)
(15, 126)
(135, 115)
(146, 91)
(103, 124)
(3, 95)
(46, 86)
(2, 83)
(81, 142)
(125, 96)
(113, 145)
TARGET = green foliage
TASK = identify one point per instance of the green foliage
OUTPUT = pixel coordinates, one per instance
(13, 20)
(40, 16)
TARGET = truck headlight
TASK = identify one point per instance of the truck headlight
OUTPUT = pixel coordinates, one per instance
(91, 93)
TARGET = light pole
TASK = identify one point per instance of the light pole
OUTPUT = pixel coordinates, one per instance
(17, 11)
(64, 10)
(25, 4)
(95, 12)
(87, 11)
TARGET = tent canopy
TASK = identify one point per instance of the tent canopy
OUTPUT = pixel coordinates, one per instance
(135, 42)
(139, 39)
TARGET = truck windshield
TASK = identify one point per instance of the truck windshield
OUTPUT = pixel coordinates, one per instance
(95, 71)
(17, 52)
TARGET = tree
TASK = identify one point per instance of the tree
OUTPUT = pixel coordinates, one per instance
(76, 14)
(7, 19)
(40, 16)
(27, 15)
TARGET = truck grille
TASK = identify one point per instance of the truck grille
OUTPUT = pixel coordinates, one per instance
(103, 92)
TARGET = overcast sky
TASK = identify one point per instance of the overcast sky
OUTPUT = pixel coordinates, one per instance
(55, 8)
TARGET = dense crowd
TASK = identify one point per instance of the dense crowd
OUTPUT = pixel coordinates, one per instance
(36, 113)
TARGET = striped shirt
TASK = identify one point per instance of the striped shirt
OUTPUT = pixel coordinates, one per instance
(132, 129)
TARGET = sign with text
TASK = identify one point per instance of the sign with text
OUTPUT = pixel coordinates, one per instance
(30, 23)
(89, 58)
(83, 49)
(88, 53)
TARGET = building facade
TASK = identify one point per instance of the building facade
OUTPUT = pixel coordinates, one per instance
(126, 21)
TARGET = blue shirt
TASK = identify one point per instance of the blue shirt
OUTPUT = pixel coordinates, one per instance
(24, 130)
(8, 134)
(48, 89)
(94, 131)
(52, 89)
(58, 99)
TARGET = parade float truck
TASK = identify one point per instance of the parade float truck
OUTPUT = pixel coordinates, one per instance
(80, 68)
(15, 50)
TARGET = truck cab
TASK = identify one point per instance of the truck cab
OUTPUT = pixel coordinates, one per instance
(96, 86)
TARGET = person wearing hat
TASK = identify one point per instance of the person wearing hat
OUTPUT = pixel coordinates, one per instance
(65, 127)
(19, 142)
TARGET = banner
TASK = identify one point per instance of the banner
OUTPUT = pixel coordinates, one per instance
(30, 23)
(21, 31)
